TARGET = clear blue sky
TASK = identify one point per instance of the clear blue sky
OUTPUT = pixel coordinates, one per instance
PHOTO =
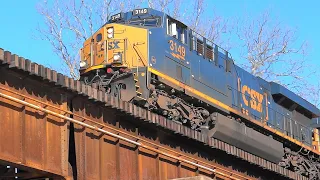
(20, 18)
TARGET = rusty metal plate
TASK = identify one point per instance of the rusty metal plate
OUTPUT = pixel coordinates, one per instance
(11, 129)
(30, 137)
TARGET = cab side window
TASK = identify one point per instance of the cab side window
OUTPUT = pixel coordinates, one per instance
(177, 30)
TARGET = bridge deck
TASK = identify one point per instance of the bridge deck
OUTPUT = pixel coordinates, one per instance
(54, 126)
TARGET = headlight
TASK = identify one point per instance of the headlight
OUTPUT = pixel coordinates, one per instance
(110, 32)
(116, 57)
(83, 64)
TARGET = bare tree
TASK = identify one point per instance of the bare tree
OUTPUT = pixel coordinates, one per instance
(271, 51)
(196, 13)
(313, 93)
(311, 88)
(176, 12)
(173, 8)
(165, 5)
(217, 30)
(211, 26)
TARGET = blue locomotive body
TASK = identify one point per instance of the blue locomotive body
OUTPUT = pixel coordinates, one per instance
(205, 67)
(200, 69)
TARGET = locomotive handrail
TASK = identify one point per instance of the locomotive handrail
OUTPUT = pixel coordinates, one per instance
(196, 35)
(95, 128)
(137, 51)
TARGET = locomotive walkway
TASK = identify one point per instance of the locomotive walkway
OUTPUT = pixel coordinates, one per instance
(56, 127)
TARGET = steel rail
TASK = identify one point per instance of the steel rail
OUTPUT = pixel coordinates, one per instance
(123, 138)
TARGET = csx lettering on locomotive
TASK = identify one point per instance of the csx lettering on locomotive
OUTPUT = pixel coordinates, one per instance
(113, 45)
(254, 99)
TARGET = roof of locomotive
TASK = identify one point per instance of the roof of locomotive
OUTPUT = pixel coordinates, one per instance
(277, 89)
(143, 13)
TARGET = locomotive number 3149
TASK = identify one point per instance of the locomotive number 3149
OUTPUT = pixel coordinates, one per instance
(178, 50)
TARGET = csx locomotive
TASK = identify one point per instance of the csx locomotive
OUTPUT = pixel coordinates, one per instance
(149, 58)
